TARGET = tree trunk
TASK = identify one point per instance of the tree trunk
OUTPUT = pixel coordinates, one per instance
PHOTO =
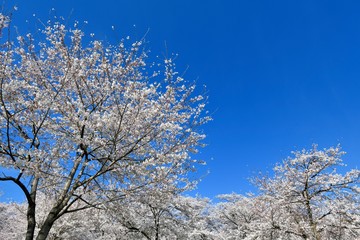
(157, 227)
(49, 222)
(312, 223)
(31, 223)
(30, 214)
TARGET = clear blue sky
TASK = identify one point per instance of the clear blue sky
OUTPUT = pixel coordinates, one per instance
(281, 75)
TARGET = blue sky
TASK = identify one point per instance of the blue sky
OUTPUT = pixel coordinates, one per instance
(280, 75)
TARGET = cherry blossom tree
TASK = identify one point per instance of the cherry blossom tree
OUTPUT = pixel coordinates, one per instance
(156, 216)
(310, 199)
(91, 123)
(236, 215)
(12, 221)
(305, 199)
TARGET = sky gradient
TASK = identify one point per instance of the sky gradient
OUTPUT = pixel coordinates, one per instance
(281, 75)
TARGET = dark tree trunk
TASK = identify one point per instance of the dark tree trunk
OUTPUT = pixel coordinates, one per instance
(30, 214)
(47, 225)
